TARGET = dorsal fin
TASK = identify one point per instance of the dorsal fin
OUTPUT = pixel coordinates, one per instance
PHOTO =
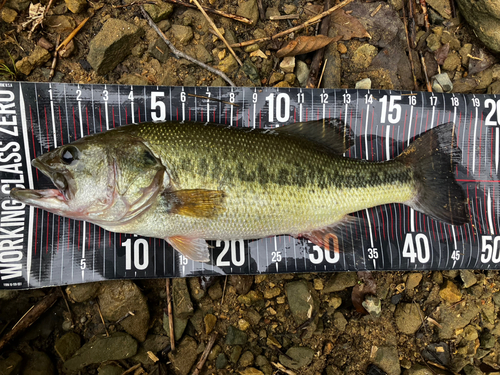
(330, 132)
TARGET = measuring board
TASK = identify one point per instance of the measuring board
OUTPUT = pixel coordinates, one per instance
(39, 249)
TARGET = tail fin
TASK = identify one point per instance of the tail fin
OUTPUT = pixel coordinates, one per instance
(433, 157)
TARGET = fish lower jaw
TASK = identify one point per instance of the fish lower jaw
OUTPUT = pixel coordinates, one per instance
(50, 199)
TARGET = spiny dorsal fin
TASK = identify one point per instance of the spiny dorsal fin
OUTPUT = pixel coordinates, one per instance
(329, 132)
(195, 202)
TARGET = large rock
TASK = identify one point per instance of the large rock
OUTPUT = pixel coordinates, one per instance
(185, 356)
(117, 346)
(117, 298)
(408, 317)
(38, 363)
(484, 17)
(113, 43)
(303, 303)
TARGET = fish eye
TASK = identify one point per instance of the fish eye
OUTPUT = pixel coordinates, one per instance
(69, 154)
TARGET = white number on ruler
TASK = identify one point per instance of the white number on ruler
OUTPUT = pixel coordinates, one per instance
(324, 98)
(368, 99)
(78, 94)
(50, 94)
(490, 249)
(282, 107)
(300, 98)
(332, 256)
(372, 253)
(454, 101)
(394, 109)
(276, 256)
(254, 98)
(455, 255)
(131, 96)
(412, 100)
(495, 107)
(237, 253)
(231, 97)
(476, 102)
(421, 244)
(183, 97)
(183, 260)
(105, 95)
(83, 264)
(158, 105)
(434, 100)
(141, 247)
(347, 98)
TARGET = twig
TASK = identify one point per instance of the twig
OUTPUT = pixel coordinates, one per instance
(129, 313)
(51, 75)
(423, 4)
(282, 368)
(170, 315)
(424, 68)
(322, 72)
(3, 3)
(309, 22)
(180, 54)
(372, 14)
(66, 300)
(453, 9)
(474, 57)
(262, 14)
(134, 3)
(72, 35)
(285, 17)
(223, 291)
(30, 317)
(411, 23)
(410, 56)
(221, 37)
(133, 368)
(312, 79)
(214, 11)
(102, 319)
(205, 354)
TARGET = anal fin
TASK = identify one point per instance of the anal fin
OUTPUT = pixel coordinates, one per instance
(193, 248)
(340, 236)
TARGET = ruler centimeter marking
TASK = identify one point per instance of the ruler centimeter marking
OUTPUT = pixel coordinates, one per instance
(392, 236)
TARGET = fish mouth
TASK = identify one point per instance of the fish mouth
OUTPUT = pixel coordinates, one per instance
(47, 198)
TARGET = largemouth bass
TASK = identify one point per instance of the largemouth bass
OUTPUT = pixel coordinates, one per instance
(190, 182)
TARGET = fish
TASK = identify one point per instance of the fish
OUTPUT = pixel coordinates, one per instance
(189, 182)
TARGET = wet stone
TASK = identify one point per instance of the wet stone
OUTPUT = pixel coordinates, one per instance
(387, 358)
(118, 346)
(67, 345)
(437, 351)
(76, 6)
(228, 64)
(301, 301)
(468, 278)
(210, 321)
(38, 363)
(413, 280)
(340, 281)
(154, 344)
(441, 83)
(215, 291)
(183, 307)
(179, 326)
(487, 340)
(272, 292)
(60, 23)
(450, 292)
(276, 77)
(339, 321)
(453, 318)
(8, 15)
(112, 44)
(408, 317)
(235, 353)
(235, 336)
(11, 365)
(250, 298)
(159, 11)
(288, 64)
(185, 356)
(246, 359)
(364, 84)
(302, 73)
(110, 370)
(117, 298)
(18, 5)
(182, 33)
(249, 10)
(363, 56)
(221, 361)
(452, 62)
(251, 371)
(298, 357)
(197, 292)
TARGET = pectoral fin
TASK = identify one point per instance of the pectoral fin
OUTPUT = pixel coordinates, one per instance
(193, 248)
(195, 202)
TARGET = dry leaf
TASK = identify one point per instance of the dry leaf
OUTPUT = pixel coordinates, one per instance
(348, 26)
(304, 44)
(442, 53)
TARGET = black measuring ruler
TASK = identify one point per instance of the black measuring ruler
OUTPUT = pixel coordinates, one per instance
(39, 249)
